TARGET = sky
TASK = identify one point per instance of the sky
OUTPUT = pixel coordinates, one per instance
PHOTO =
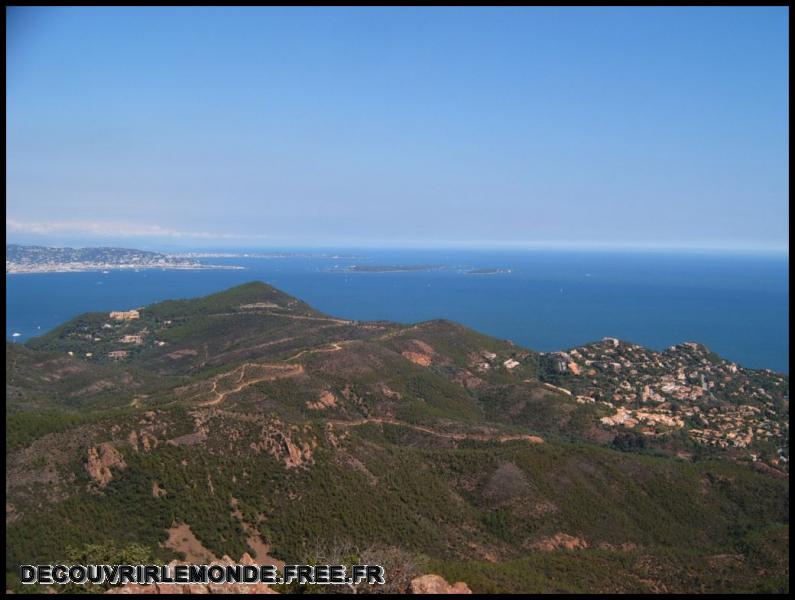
(269, 127)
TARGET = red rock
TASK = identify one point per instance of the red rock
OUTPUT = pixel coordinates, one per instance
(435, 584)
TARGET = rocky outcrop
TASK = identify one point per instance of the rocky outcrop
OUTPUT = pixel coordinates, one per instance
(326, 400)
(144, 441)
(435, 584)
(560, 540)
(622, 547)
(390, 393)
(421, 354)
(417, 358)
(101, 459)
(468, 380)
(284, 445)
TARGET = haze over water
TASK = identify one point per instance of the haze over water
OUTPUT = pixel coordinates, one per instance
(550, 300)
(622, 127)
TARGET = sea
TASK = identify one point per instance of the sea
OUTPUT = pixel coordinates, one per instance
(737, 305)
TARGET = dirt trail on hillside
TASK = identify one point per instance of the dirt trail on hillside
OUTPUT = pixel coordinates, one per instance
(281, 372)
(394, 334)
(277, 314)
(248, 349)
(481, 437)
(333, 347)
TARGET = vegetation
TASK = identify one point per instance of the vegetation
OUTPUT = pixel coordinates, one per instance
(402, 463)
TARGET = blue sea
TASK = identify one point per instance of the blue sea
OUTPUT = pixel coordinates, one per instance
(544, 300)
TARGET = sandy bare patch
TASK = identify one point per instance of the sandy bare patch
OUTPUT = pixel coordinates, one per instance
(423, 347)
(420, 354)
(181, 539)
(157, 491)
(558, 541)
(480, 551)
(261, 549)
(326, 400)
(94, 388)
(726, 561)
(435, 584)
(359, 466)
(417, 358)
(390, 393)
(256, 305)
(182, 353)
(189, 439)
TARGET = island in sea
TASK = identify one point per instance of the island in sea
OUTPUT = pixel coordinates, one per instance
(415, 268)
(390, 268)
(487, 271)
(45, 259)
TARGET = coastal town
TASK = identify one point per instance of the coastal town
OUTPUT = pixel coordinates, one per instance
(686, 387)
(44, 259)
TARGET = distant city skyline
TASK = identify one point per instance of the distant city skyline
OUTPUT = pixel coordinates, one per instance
(611, 128)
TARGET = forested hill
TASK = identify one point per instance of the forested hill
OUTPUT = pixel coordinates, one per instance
(247, 421)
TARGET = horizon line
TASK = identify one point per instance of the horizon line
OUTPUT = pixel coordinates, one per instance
(444, 245)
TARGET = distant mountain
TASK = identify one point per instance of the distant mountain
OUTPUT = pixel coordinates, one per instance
(249, 422)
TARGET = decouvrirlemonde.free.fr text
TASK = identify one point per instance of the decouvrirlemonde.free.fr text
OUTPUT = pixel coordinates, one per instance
(201, 574)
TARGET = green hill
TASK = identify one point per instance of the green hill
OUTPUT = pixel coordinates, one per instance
(257, 424)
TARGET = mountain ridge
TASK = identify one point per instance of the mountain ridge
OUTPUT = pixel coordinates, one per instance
(260, 414)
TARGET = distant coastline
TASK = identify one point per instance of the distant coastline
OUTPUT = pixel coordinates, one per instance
(46, 259)
(631, 296)
(263, 255)
(84, 268)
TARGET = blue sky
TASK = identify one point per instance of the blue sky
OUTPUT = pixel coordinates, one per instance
(480, 127)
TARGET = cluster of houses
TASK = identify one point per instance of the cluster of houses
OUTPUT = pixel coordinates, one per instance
(486, 361)
(117, 320)
(686, 386)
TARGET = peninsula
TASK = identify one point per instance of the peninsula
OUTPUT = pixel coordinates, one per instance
(46, 259)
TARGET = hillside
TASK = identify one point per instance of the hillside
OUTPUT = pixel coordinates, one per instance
(247, 421)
